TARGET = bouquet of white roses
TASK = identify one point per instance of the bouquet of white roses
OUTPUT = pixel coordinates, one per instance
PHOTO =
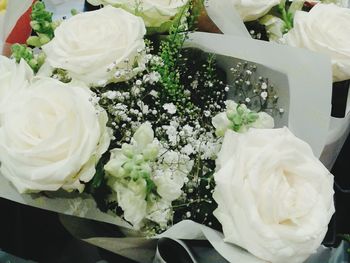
(157, 133)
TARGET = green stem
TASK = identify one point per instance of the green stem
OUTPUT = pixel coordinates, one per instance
(286, 17)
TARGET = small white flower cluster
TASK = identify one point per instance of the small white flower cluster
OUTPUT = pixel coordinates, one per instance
(128, 70)
(192, 140)
(146, 178)
(239, 119)
(170, 108)
(171, 172)
(258, 93)
(153, 191)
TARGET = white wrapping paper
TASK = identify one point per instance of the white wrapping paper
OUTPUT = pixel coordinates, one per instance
(144, 250)
(308, 80)
(15, 9)
(62, 8)
(224, 15)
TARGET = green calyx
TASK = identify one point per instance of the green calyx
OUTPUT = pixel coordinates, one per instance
(241, 118)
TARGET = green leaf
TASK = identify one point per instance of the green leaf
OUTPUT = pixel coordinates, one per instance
(99, 175)
(296, 5)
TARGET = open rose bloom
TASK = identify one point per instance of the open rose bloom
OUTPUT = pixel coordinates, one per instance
(157, 14)
(96, 49)
(329, 37)
(274, 197)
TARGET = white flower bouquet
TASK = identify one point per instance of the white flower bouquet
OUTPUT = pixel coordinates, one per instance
(167, 135)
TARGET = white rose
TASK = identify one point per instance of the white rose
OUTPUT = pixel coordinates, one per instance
(250, 10)
(52, 137)
(325, 29)
(13, 78)
(275, 198)
(154, 12)
(343, 3)
(98, 47)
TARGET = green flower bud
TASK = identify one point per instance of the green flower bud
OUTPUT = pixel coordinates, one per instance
(33, 63)
(230, 114)
(240, 110)
(74, 12)
(146, 167)
(41, 58)
(220, 132)
(144, 174)
(35, 25)
(34, 41)
(129, 167)
(38, 6)
(44, 39)
(138, 159)
(55, 24)
(235, 127)
(237, 120)
(135, 174)
(151, 152)
(252, 117)
(128, 150)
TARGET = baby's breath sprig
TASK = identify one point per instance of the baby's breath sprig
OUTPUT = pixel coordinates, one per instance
(197, 203)
(254, 91)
